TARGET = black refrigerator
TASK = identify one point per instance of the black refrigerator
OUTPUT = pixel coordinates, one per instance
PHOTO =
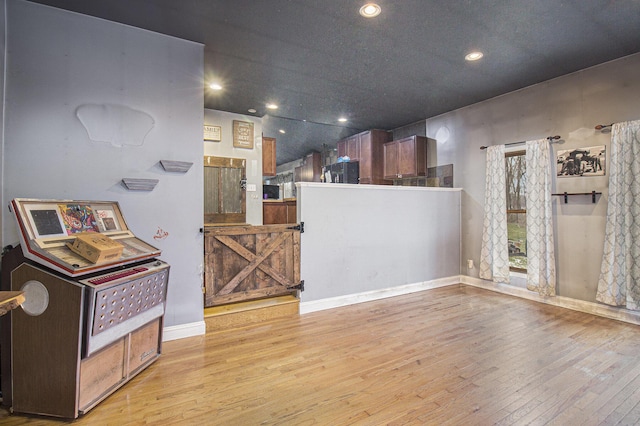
(342, 172)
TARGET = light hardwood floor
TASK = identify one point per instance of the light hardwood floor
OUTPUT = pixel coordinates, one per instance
(451, 356)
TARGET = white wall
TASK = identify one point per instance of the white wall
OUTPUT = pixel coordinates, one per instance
(569, 106)
(58, 61)
(225, 148)
(361, 238)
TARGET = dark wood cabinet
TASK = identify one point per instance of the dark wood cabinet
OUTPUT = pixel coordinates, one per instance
(350, 147)
(279, 212)
(367, 149)
(372, 156)
(342, 148)
(268, 156)
(310, 170)
(405, 158)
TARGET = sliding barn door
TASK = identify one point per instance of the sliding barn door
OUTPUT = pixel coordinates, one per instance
(250, 262)
(224, 190)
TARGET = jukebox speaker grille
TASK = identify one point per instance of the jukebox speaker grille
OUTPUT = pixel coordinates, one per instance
(119, 303)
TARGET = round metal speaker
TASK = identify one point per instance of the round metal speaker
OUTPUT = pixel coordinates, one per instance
(36, 298)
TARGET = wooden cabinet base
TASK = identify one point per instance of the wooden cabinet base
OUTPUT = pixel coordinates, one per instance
(100, 374)
(106, 371)
(279, 212)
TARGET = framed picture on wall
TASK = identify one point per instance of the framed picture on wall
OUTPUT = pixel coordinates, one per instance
(212, 133)
(243, 134)
(588, 161)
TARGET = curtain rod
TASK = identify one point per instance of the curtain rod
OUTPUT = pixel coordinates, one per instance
(549, 138)
(603, 126)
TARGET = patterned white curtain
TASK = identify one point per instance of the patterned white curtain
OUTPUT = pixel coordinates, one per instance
(494, 256)
(619, 282)
(541, 262)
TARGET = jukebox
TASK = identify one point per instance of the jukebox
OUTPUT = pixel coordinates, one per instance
(94, 304)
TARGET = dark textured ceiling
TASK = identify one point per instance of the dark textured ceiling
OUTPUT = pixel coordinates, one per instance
(319, 60)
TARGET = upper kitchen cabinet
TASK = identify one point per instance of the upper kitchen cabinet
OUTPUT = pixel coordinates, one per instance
(404, 158)
(268, 156)
(350, 147)
(372, 156)
(310, 170)
(367, 148)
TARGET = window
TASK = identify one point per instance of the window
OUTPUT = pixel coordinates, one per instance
(516, 169)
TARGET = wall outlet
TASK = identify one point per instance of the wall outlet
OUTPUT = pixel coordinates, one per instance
(470, 263)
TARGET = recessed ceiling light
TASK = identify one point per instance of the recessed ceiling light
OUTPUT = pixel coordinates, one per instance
(342, 120)
(252, 110)
(474, 56)
(272, 106)
(215, 86)
(370, 10)
(282, 131)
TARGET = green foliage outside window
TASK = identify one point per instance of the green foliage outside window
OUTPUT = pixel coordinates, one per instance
(517, 209)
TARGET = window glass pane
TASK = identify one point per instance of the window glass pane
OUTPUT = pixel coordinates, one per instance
(516, 182)
(517, 235)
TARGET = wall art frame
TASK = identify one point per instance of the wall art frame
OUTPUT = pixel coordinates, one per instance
(243, 134)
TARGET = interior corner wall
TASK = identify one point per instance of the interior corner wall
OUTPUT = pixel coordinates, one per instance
(225, 148)
(58, 61)
(569, 106)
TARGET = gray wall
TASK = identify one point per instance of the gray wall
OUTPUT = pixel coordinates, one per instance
(225, 148)
(57, 61)
(360, 238)
(569, 106)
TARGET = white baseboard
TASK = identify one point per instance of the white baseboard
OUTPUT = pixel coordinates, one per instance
(351, 299)
(593, 308)
(180, 331)
(620, 314)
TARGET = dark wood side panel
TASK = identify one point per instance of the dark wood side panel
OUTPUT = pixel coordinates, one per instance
(46, 348)
(10, 261)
